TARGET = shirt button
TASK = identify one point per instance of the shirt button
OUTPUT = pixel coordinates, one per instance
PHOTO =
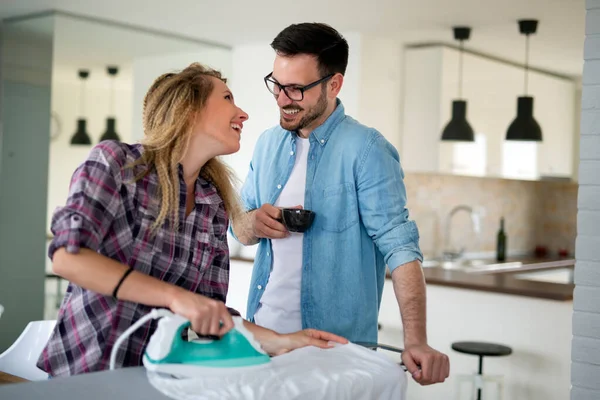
(278, 186)
(291, 153)
(322, 140)
(259, 287)
(268, 254)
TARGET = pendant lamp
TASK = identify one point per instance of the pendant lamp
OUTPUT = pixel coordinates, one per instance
(524, 127)
(111, 133)
(458, 129)
(81, 136)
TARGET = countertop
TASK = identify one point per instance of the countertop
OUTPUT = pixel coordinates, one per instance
(507, 281)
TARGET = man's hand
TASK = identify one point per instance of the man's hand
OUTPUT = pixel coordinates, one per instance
(426, 365)
(267, 222)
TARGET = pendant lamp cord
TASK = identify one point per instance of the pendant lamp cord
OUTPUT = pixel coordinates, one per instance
(112, 96)
(460, 68)
(81, 99)
(526, 62)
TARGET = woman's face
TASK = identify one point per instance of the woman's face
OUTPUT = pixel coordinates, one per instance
(219, 125)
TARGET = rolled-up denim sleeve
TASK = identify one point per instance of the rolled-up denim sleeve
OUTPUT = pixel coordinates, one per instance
(382, 203)
(92, 203)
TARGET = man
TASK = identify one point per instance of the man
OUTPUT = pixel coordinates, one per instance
(331, 277)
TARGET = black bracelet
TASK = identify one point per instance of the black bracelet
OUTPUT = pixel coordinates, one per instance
(130, 270)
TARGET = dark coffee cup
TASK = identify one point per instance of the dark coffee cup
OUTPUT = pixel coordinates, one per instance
(297, 219)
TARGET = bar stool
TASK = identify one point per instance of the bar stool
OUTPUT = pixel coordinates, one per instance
(481, 349)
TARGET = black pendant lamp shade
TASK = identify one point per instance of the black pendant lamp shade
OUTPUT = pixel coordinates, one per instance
(110, 133)
(81, 136)
(524, 127)
(458, 129)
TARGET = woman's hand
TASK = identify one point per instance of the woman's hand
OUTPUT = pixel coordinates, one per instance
(207, 316)
(282, 343)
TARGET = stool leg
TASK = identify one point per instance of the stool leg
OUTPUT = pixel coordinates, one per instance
(480, 376)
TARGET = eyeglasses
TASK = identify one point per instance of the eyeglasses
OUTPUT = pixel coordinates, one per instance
(294, 92)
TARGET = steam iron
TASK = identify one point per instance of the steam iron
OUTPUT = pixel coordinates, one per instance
(167, 352)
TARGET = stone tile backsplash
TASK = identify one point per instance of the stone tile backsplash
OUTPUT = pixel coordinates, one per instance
(536, 213)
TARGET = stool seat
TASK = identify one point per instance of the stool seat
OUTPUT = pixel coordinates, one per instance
(482, 349)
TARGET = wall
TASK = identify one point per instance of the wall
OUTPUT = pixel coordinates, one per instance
(381, 72)
(536, 212)
(585, 356)
(26, 78)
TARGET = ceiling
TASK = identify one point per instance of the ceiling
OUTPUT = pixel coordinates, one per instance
(557, 46)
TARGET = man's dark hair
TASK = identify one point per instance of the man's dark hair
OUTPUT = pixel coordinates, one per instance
(320, 40)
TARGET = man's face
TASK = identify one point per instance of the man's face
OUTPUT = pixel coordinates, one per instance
(300, 70)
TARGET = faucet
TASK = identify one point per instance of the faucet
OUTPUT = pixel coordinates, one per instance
(475, 219)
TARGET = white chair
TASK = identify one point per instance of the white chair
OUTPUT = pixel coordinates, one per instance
(21, 357)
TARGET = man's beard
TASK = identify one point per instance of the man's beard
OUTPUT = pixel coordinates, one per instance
(312, 115)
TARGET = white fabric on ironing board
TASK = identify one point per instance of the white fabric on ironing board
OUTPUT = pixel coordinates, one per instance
(343, 372)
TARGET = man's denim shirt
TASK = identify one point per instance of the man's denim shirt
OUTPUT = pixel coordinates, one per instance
(354, 184)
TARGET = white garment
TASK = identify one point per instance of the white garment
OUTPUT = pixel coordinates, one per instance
(279, 307)
(344, 372)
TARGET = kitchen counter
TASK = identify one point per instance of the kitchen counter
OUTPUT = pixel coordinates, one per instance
(516, 276)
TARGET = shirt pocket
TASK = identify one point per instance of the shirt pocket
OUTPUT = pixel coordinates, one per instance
(339, 210)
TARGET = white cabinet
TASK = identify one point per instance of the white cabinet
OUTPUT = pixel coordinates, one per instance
(491, 89)
(556, 113)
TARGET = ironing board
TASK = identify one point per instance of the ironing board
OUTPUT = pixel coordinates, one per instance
(348, 372)
(124, 383)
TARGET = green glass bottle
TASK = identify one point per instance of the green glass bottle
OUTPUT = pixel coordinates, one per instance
(501, 242)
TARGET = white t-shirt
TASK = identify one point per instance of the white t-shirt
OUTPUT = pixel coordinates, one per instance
(279, 307)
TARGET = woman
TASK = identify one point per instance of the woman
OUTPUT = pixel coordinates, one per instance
(145, 226)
